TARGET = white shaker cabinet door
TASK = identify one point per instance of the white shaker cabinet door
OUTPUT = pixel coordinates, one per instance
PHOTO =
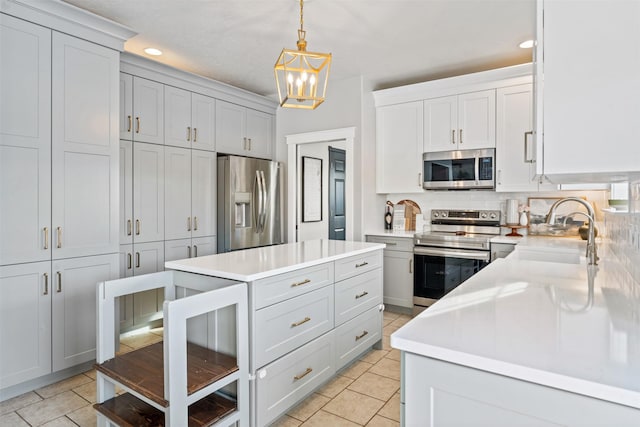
(25, 322)
(147, 258)
(477, 120)
(203, 193)
(84, 148)
(203, 120)
(148, 192)
(230, 128)
(148, 111)
(73, 317)
(441, 124)
(177, 249)
(126, 106)
(25, 141)
(126, 192)
(177, 117)
(177, 207)
(203, 246)
(259, 133)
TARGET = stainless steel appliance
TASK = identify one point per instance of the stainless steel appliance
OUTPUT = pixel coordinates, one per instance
(459, 170)
(455, 249)
(249, 203)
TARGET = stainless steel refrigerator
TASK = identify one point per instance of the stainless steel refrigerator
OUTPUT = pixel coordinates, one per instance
(249, 203)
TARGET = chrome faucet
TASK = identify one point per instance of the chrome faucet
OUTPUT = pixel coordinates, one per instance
(592, 251)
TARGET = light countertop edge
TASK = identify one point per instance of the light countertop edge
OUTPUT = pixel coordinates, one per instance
(226, 265)
(403, 234)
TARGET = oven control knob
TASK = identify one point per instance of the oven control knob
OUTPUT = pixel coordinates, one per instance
(483, 215)
(493, 215)
(436, 214)
(444, 214)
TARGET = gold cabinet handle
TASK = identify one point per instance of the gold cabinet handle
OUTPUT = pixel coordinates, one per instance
(59, 237)
(362, 265)
(461, 136)
(302, 375)
(137, 227)
(453, 136)
(362, 335)
(305, 320)
(420, 179)
(304, 282)
(129, 128)
(137, 259)
(46, 284)
(129, 261)
(188, 251)
(364, 294)
(195, 223)
(59, 274)
(410, 266)
(195, 134)
(195, 251)
(137, 124)
(249, 139)
(188, 133)
(526, 148)
(129, 227)
(46, 238)
(244, 145)
(189, 223)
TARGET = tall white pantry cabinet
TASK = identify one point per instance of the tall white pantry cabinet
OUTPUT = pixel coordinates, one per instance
(59, 187)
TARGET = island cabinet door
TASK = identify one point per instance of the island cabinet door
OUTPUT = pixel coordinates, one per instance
(286, 326)
(357, 294)
(356, 335)
(289, 379)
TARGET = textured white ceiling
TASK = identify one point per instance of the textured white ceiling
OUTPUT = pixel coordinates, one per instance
(390, 42)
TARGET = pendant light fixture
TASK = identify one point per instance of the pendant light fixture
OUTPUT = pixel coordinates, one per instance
(301, 76)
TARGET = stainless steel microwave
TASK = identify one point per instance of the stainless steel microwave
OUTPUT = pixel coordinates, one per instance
(459, 170)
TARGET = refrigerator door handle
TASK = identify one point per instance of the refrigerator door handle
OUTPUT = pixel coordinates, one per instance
(264, 202)
(257, 207)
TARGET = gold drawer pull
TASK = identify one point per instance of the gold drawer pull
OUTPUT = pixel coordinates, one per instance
(362, 265)
(46, 284)
(305, 320)
(364, 334)
(129, 127)
(46, 238)
(304, 282)
(304, 374)
(59, 281)
(364, 294)
(59, 245)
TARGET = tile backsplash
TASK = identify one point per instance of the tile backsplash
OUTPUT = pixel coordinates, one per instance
(623, 234)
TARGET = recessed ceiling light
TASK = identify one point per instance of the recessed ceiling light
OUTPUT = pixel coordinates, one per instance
(527, 44)
(153, 51)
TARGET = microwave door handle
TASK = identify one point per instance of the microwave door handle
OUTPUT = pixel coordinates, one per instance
(477, 169)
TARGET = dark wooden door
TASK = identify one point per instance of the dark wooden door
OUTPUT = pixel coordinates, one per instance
(337, 176)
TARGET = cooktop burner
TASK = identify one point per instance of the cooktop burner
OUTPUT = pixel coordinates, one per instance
(461, 229)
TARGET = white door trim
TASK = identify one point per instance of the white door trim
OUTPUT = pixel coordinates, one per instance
(343, 134)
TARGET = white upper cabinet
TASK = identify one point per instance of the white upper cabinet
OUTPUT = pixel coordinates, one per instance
(203, 193)
(148, 192)
(25, 141)
(84, 148)
(243, 131)
(399, 136)
(588, 89)
(189, 119)
(141, 116)
(460, 122)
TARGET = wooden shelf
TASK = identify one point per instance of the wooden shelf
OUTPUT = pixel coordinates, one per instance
(127, 410)
(142, 370)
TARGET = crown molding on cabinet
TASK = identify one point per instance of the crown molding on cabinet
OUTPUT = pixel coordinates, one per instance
(156, 71)
(69, 19)
(500, 77)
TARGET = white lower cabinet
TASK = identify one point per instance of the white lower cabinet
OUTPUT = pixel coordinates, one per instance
(355, 295)
(47, 315)
(357, 335)
(284, 382)
(189, 248)
(398, 269)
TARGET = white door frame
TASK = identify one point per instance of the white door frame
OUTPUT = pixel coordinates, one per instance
(343, 134)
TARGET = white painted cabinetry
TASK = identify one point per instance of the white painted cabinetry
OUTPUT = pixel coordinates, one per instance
(189, 119)
(398, 269)
(141, 109)
(587, 90)
(243, 131)
(460, 122)
(25, 142)
(399, 135)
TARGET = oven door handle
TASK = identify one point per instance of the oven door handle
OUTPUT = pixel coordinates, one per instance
(455, 253)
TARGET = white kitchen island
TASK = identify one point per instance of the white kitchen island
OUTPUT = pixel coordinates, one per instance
(523, 342)
(314, 307)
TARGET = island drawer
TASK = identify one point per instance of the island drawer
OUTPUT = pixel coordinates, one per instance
(288, 285)
(358, 334)
(289, 379)
(404, 244)
(357, 294)
(286, 326)
(358, 264)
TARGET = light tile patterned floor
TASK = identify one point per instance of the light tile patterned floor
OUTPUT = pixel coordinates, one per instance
(364, 394)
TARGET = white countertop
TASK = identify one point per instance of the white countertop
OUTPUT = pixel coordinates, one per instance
(392, 233)
(541, 322)
(257, 263)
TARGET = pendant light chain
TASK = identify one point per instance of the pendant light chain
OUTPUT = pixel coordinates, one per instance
(301, 20)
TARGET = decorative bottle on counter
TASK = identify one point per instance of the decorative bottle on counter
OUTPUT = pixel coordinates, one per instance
(388, 216)
(523, 218)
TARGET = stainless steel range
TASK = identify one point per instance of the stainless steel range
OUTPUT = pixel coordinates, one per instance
(457, 247)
